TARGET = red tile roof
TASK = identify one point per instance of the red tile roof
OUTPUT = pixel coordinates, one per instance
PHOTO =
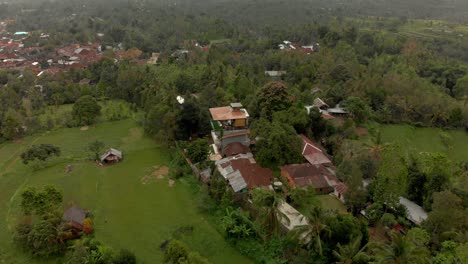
(313, 153)
(235, 148)
(341, 188)
(306, 174)
(253, 174)
(226, 113)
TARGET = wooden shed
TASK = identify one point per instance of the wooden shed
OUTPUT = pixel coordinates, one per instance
(111, 156)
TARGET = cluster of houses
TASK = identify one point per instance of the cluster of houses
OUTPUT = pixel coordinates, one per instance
(15, 55)
(234, 161)
(231, 151)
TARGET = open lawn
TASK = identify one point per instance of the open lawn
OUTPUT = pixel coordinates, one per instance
(453, 143)
(330, 202)
(129, 210)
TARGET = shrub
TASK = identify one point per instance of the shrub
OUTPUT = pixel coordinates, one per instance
(40, 152)
(175, 252)
(178, 253)
(388, 220)
(125, 257)
(198, 150)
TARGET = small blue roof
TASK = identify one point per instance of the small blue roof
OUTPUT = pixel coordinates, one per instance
(21, 33)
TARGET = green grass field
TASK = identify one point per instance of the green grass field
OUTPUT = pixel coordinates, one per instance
(330, 202)
(127, 213)
(453, 143)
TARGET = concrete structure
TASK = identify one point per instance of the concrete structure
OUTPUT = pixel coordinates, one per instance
(230, 125)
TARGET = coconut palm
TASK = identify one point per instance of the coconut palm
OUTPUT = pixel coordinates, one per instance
(375, 146)
(312, 232)
(267, 204)
(401, 250)
(351, 253)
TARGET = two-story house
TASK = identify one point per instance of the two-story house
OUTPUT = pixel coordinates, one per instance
(230, 128)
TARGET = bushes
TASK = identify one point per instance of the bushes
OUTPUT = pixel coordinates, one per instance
(40, 152)
(124, 257)
(198, 150)
(90, 250)
(388, 220)
(178, 253)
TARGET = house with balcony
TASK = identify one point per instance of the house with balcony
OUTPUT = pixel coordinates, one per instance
(230, 126)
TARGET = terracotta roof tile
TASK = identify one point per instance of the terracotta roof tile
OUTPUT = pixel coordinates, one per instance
(313, 153)
(227, 113)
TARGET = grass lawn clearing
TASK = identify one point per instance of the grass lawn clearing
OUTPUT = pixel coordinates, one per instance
(126, 212)
(330, 202)
(453, 143)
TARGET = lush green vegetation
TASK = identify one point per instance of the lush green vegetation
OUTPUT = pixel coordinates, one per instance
(115, 195)
(406, 80)
(413, 139)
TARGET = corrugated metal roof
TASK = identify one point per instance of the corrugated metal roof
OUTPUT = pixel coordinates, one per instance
(416, 213)
(236, 181)
(111, 151)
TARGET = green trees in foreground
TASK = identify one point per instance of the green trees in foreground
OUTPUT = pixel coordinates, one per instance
(45, 236)
(43, 232)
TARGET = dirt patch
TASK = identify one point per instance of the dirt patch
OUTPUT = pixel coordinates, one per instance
(161, 172)
(171, 183)
(361, 131)
(84, 128)
(158, 174)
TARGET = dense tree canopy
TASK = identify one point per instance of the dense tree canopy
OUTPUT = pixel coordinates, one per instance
(40, 152)
(86, 110)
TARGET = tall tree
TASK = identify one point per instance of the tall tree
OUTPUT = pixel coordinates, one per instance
(314, 230)
(401, 250)
(273, 97)
(267, 203)
(86, 110)
(351, 253)
(447, 215)
(277, 144)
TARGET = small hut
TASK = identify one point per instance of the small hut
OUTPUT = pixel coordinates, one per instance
(111, 156)
(75, 217)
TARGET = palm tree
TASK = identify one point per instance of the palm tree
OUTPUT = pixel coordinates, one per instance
(351, 253)
(312, 232)
(376, 145)
(269, 214)
(401, 250)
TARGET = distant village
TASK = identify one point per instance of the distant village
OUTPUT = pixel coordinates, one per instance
(15, 54)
